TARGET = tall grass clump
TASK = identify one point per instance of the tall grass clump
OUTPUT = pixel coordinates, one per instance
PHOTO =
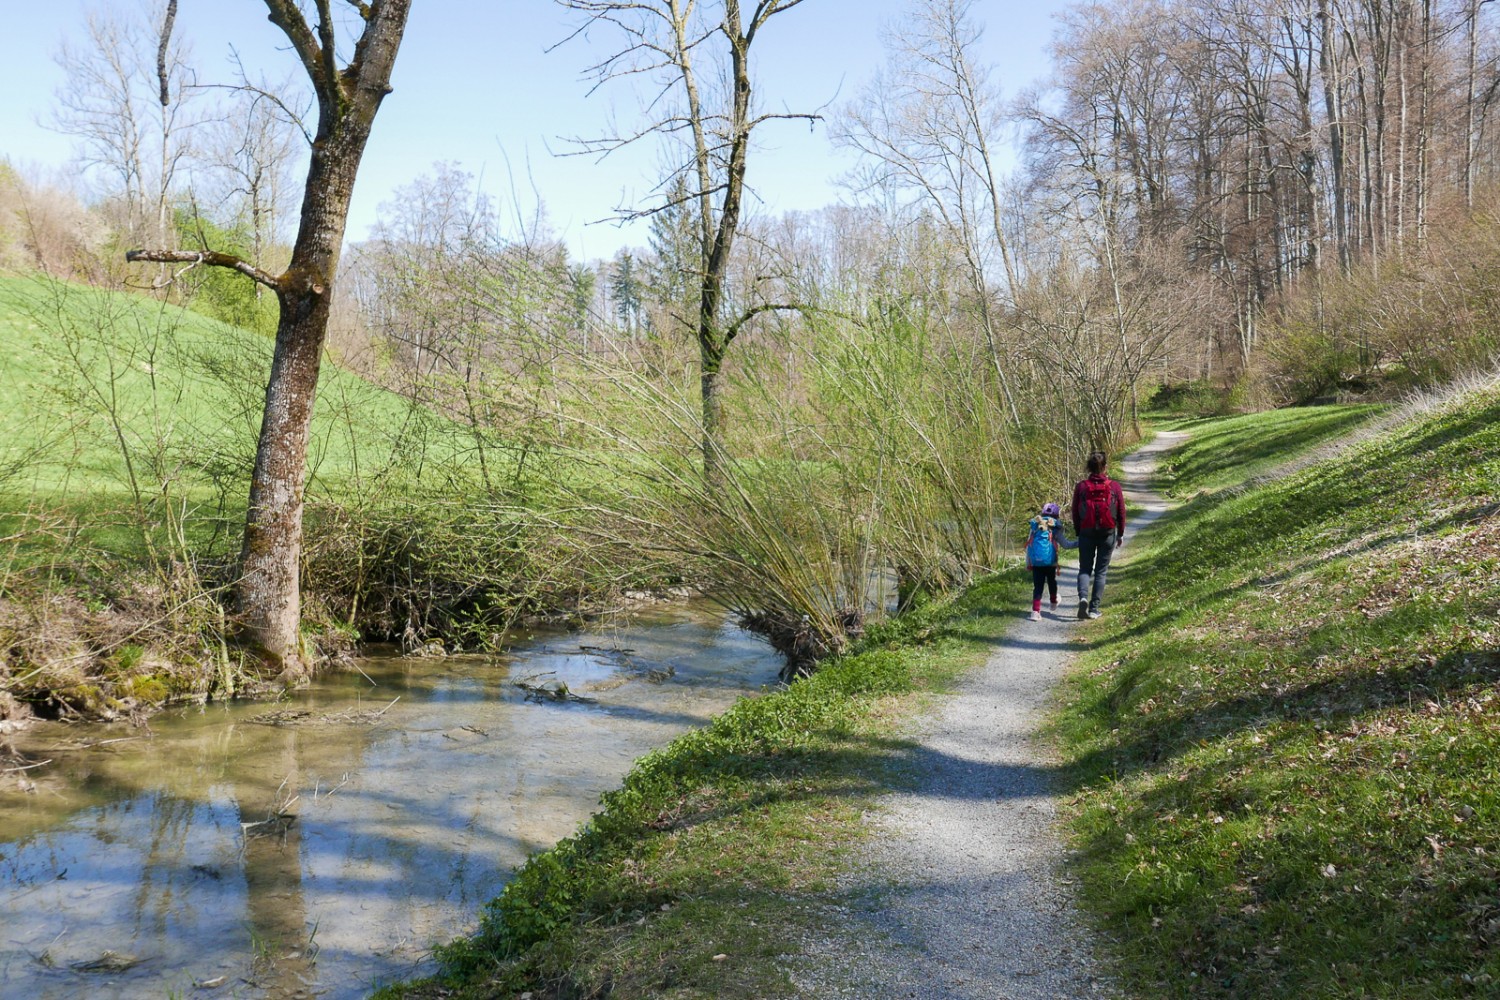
(109, 598)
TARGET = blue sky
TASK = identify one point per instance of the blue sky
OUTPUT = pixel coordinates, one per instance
(474, 84)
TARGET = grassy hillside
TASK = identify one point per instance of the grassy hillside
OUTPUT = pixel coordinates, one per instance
(1287, 729)
(1228, 451)
(104, 393)
(127, 436)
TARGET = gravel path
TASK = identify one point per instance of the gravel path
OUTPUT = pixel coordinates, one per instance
(960, 896)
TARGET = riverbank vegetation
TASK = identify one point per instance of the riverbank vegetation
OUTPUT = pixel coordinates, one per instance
(1220, 212)
(1286, 740)
(891, 474)
(1277, 740)
(721, 853)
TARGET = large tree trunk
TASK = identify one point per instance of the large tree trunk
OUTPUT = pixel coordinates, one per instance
(269, 592)
(268, 595)
(713, 416)
(1333, 102)
(713, 337)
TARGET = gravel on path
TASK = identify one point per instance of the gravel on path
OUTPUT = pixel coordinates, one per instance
(960, 895)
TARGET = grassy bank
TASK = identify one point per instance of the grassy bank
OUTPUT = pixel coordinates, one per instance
(720, 852)
(1287, 733)
(127, 434)
(1229, 451)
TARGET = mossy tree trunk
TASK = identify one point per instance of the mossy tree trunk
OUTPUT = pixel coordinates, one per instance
(268, 593)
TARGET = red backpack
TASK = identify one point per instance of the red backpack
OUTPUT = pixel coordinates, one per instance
(1098, 508)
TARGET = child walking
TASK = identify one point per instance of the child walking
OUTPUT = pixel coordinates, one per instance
(1043, 549)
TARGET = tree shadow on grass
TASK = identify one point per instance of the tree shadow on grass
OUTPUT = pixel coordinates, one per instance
(1286, 898)
(849, 767)
(1333, 700)
(1191, 606)
(1202, 464)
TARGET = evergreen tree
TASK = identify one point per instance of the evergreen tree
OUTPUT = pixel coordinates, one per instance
(628, 291)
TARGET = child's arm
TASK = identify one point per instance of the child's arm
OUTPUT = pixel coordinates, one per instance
(1062, 538)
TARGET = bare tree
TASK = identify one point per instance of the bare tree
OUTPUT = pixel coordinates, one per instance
(665, 40)
(128, 100)
(1102, 312)
(428, 257)
(268, 590)
(928, 125)
(252, 152)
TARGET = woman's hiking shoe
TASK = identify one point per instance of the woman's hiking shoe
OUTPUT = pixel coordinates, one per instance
(1094, 614)
(1083, 610)
(1036, 616)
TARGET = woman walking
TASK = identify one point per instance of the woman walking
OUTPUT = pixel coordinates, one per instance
(1099, 523)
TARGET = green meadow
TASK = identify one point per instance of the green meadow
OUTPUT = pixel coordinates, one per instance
(1285, 735)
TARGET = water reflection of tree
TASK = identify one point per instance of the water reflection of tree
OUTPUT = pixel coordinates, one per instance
(157, 901)
(275, 908)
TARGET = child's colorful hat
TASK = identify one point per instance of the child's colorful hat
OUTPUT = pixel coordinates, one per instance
(1050, 510)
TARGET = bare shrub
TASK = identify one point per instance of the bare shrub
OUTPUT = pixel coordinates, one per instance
(1418, 321)
(894, 469)
(44, 227)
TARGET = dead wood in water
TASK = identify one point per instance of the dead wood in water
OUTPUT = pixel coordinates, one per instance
(550, 690)
(298, 717)
(275, 826)
(796, 637)
(108, 961)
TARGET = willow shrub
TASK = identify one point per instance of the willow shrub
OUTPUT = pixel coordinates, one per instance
(864, 464)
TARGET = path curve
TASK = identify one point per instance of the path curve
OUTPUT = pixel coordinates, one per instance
(961, 896)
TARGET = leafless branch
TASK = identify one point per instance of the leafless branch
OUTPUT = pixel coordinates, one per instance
(212, 258)
(285, 15)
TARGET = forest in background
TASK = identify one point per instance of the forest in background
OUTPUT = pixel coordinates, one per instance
(1218, 206)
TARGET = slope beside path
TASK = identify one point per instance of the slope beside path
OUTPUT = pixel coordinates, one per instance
(961, 895)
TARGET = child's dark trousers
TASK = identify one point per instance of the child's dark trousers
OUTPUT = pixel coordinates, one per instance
(1043, 575)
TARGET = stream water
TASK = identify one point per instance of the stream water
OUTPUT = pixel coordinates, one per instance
(319, 846)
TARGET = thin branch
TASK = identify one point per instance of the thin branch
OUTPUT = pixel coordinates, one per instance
(764, 11)
(807, 116)
(28, 767)
(734, 328)
(328, 40)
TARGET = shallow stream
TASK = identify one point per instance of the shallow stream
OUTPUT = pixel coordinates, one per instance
(319, 846)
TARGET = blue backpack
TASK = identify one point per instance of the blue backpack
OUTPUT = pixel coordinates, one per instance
(1042, 549)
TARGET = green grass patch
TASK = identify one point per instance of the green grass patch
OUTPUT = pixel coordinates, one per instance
(1226, 451)
(721, 850)
(1287, 732)
(105, 394)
